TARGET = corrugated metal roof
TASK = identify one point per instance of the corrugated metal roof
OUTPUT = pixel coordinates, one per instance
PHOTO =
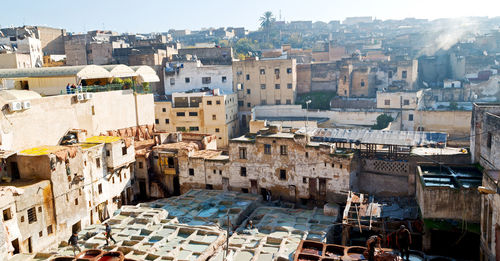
(382, 137)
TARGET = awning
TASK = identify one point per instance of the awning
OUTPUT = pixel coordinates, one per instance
(145, 73)
(120, 71)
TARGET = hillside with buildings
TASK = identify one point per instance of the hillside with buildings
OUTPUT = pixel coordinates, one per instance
(296, 141)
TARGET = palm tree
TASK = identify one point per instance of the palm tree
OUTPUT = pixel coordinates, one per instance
(266, 21)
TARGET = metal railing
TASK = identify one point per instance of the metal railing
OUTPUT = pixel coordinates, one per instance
(109, 87)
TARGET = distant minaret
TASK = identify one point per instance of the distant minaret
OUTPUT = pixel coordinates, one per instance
(280, 15)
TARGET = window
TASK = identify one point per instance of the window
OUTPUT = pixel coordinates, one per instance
(193, 113)
(488, 140)
(40, 208)
(217, 102)
(248, 77)
(277, 71)
(288, 101)
(406, 102)
(209, 186)
(108, 153)
(304, 180)
(390, 74)
(99, 188)
(404, 74)
(267, 148)
(288, 70)
(289, 86)
(244, 190)
(191, 172)
(22, 218)
(180, 128)
(157, 121)
(214, 117)
(167, 121)
(40, 234)
(49, 230)
(98, 162)
(263, 102)
(7, 214)
(181, 114)
(410, 117)
(194, 128)
(362, 83)
(206, 80)
(248, 91)
(240, 103)
(124, 150)
(187, 80)
(140, 165)
(387, 102)
(243, 153)
(93, 110)
(172, 81)
(283, 150)
(282, 174)
(307, 154)
(76, 201)
(249, 105)
(243, 171)
(278, 102)
(217, 130)
(31, 215)
(277, 86)
(170, 162)
(209, 102)
(164, 109)
(240, 86)
(224, 79)
(262, 71)
(263, 86)
(220, 172)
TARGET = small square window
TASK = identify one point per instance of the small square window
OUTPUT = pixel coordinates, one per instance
(243, 171)
(267, 148)
(304, 180)
(406, 102)
(248, 91)
(243, 153)
(191, 172)
(288, 70)
(7, 214)
(288, 101)
(240, 103)
(262, 71)
(40, 234)
(278, 102)
(187, 80)
(217, 130)
(239, 86)
(214, 117)
(206, 80)
(181, 114)
(164, 109)
(404, 74)
(362, 83)
(172, 81)
(193, 113)
(249, 105)
(387, 102)
(277, 86)
(167, 121)
(224, 79)
(263, 86)
(410, 117)
(194, 128)
(277, 71)
(180, 129)
(248, 77)
(282, 174)
(217, 102)
(157, 121)
(289, 86)
(209, 102)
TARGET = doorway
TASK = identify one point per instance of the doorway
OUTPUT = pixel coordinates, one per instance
(142, 189)
(30, 246)
(76, 227)
(14, 170)
(225, 184)
(15, 245)
(312, 188)
(253, 186)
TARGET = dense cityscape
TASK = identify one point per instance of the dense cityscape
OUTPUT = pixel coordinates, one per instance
(353, 139)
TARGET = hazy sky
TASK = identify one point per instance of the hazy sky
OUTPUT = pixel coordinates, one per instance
(161, 15)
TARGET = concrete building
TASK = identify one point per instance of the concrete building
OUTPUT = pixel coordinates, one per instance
(51, 39)
(201, 111)
(15, 61)
(262, 82)
(485, 150)
(25, 45)
(403, 75)
(184, 76)
(210, 56)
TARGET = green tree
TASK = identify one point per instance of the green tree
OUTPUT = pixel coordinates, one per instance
(266, 22)
(383, 121)
(117, 81)
(245, 47)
